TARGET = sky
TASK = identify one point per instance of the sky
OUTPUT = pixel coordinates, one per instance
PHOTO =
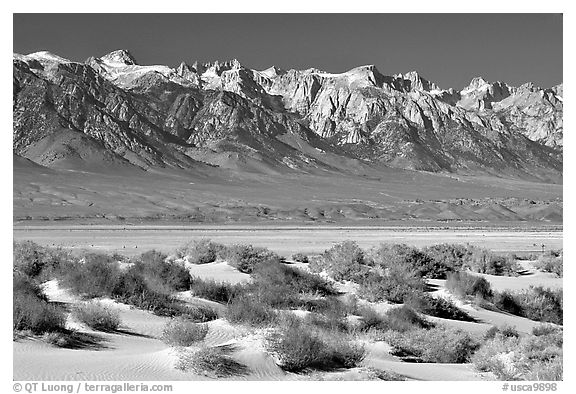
(449, 49)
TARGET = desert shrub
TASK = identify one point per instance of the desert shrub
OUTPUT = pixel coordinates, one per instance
(507, 302)
(299, 281)
(486, 262)
(246, 257)
(380, 374)
(328, 321)
(300, 258)
(247, 309)
(541, 304)
(343, 261)
(24, 284)
(330, 306)
(396, 285)
(505, 331)
(546, 329)
(215, 291)
(201, 251)
(33, 313)
(496, 356)
(522, 358)
(28, 257)
(133, 288)
(214, 362)
(535, 303)
(450, 257)
(180, 331)
(343, 352)
(298, 346)
(96, 275)
(463, 284)
(198, 313)
(388, 256)
(546, 371)
(438, 307)
(33, 260)
(160, 273)
(97, 316)
(399, 319)
(551, 261)
(437, 345)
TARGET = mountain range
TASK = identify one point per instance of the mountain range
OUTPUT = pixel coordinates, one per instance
(110, 112)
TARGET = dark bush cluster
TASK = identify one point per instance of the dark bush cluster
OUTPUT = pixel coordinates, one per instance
(397, 285)
(536, 303)
(514, 357)
(30, 308)
(299, 346)
(33, 260)
(343, 261)
(464, 285)
(201, 251)
(300, 258)
(245, 258)
(95, 275)
(247, 309)
(400, 319)
(215, 362)
(437, 307)
(181, 331)
(393, 256)
(435, 345)
(485, 262)
(97, 316)
(551, 261)
(160, 273)
(212, 290)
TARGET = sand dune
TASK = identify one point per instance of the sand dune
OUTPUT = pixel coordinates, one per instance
(135, 351)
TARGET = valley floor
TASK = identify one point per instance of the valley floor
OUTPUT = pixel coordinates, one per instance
(133, 240)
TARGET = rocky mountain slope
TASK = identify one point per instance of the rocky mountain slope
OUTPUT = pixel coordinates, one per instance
(111, 112)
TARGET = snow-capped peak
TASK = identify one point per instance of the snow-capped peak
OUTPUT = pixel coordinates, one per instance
(121, 56)
(47, 56)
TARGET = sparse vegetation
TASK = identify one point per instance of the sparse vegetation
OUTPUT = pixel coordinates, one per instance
(407, 258)
(181, 331)
(438, 307)
(435, 345)
(298, 281)
(300, 258)
(214, 362)
(246, 309)
(343, 261)
(95, 275)
(397, 285)
(536, 303)
(31, 310)
(299, 346)
(97, 316)
(551, 261)
(161, 274)
(464, 285)
(215, 291)
(485, 262)
(400, 319)
(34, 260)
(245, 258)
(451, 257)
(531, 357)
(201, 251)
